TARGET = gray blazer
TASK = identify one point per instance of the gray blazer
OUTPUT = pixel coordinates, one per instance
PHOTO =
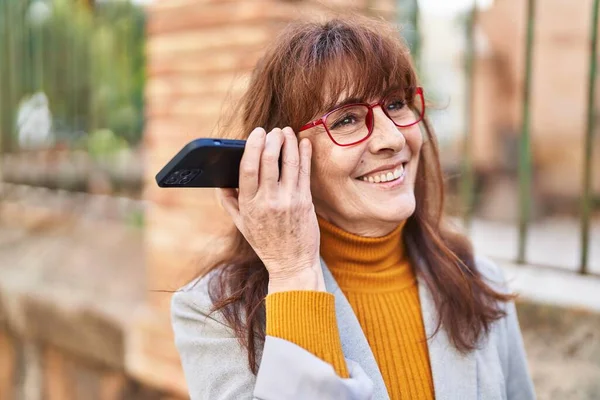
(216, 366)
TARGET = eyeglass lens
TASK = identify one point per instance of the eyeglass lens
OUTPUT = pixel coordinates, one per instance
(349, 124)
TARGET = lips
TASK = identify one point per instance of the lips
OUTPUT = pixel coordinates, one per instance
(384, 176)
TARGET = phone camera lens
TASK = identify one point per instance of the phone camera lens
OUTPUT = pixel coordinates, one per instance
(184, 172)
(172, 179)
(185, 180)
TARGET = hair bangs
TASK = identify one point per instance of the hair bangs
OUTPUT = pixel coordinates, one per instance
(345, 60)
(365, 81)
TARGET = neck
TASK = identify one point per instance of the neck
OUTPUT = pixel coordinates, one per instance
(357, 261)
(365, 229)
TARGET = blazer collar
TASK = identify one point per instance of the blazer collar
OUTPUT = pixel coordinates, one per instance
(454, 374)
(354, 342)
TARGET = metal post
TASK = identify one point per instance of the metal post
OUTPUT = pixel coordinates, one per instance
(525, 140)
(467, 185)
(12, 15)
(71, 64)
(2, 75)
(38, 58)
(586, 201)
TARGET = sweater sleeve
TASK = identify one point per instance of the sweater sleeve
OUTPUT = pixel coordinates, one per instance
(307, 319)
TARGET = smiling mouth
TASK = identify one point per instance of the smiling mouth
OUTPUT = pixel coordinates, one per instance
(385, 176)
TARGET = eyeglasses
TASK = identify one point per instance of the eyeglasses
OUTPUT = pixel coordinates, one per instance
(353, 123)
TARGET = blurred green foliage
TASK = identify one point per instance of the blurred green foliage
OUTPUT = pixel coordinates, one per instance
(88, 60)
(103, 144)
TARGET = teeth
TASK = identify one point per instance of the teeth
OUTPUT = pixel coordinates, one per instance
(386, 177)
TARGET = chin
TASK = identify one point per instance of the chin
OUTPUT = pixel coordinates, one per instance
(397, 213)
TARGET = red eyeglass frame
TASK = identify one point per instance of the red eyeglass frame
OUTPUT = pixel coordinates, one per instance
(370, 121)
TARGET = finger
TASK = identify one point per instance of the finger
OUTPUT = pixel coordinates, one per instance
(290, 163)
(229, 200)
(269, 168)
(305, 164)
(250, 164)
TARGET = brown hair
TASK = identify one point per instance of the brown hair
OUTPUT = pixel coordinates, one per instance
(363, 58)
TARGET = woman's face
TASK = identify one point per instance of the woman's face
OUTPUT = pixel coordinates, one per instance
(341, 189)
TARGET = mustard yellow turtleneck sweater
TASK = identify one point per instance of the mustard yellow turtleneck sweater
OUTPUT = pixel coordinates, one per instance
(379, 283)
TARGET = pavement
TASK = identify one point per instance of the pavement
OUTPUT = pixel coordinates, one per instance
(551, 242)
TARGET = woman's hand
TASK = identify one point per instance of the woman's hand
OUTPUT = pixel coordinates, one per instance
(277, 216)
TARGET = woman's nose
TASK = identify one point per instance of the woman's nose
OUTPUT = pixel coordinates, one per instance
(386, 135)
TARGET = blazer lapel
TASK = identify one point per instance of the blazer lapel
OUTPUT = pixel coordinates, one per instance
(454, 374)
(354, 342)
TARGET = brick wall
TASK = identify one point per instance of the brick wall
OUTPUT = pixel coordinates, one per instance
(199, 52)
(69, 286)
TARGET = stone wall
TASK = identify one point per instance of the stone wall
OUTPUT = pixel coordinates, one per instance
(37, 371)
(69, 285)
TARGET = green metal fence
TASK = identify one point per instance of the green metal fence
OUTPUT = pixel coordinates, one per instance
(525, 155)
(72, 76)
(86, 59)
(586, 201)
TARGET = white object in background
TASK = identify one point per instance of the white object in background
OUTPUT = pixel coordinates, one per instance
(39, 12)
(34, 123)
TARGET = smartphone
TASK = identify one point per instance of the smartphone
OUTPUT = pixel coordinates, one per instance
(204, 163)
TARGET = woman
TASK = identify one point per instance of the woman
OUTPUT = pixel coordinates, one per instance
(344, 282)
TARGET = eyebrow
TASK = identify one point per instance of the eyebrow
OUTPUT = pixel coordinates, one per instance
(346, 101)
(352, 100)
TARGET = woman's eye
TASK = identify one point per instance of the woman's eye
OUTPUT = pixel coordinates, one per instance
(396, 105)
(346, 120)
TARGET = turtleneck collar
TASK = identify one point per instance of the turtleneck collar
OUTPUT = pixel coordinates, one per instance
(366, 264)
